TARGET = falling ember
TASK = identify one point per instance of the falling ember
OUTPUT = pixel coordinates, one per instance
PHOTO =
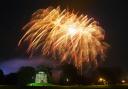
(66, 36)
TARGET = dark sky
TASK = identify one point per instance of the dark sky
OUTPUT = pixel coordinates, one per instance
(111, 14)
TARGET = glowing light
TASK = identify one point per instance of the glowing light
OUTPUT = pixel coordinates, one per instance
(72, 30)
(66, 36)
(67, 80)
(123, 81)
(102, 81)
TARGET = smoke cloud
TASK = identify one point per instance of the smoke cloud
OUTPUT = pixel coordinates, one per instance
(13, 65)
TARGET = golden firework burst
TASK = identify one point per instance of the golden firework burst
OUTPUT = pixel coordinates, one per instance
(66, 35)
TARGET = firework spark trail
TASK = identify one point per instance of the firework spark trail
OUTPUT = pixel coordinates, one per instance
(66, 35)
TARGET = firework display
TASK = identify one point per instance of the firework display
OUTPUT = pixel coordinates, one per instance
(65, 35)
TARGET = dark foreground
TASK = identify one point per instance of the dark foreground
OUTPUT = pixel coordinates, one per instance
(67, 87)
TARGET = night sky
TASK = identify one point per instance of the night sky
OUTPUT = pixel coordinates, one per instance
(111, 14)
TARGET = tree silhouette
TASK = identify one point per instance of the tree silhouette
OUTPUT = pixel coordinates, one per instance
(2, 77)
(26, 75)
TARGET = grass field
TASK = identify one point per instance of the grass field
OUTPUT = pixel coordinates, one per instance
(66, 87)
